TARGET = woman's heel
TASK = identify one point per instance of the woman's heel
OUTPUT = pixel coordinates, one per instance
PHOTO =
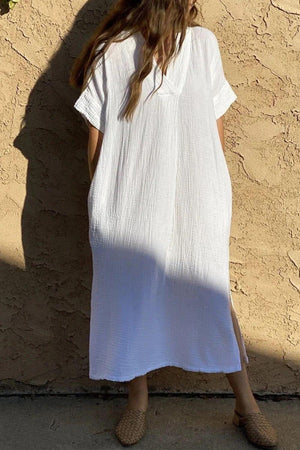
(236, 419)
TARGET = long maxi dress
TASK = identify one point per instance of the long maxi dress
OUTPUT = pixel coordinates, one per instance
(159, 206)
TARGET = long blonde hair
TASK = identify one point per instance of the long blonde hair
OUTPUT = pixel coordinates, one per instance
(156, 19)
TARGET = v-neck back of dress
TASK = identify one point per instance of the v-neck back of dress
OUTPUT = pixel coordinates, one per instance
(175, 77)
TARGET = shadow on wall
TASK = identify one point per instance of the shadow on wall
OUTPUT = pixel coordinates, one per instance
(48, 336)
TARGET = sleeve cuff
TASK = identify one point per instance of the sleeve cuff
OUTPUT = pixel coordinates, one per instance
(90, 111)
(223, 99)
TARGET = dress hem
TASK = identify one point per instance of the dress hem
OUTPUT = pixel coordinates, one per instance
(235, 368)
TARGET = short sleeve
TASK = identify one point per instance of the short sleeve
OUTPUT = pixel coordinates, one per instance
(222, 93)
(91, 103)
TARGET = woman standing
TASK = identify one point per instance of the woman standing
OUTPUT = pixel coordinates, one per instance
(153, 93)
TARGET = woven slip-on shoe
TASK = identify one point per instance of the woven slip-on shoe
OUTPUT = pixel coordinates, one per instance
(257, 428)
(131, 426)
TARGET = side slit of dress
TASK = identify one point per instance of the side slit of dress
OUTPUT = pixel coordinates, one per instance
(237, 330)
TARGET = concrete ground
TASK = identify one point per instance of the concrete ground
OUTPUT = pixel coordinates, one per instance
(177, 423)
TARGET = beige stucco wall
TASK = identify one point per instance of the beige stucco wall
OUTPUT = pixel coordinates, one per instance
(45, 255)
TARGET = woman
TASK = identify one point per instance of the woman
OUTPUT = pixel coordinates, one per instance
(153, 93)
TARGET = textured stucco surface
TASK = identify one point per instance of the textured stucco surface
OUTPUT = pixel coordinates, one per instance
(44, 250)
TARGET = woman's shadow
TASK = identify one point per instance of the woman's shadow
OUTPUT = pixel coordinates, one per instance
(56, 281)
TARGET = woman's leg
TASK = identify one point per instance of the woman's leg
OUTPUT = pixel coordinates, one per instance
(138, 393)
(245, 401)
(132, 424)
(244, 398)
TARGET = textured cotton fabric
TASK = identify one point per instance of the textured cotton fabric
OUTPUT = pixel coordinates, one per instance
(159, 206)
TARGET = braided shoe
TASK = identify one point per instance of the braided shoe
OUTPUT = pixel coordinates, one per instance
(131, 426)
(257, 428)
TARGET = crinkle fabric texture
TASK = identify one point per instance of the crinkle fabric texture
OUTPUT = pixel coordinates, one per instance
(160, 205)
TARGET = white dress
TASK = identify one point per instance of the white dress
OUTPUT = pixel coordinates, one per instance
(159, 209)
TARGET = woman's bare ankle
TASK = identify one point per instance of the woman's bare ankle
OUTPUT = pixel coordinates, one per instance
(138, 393)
